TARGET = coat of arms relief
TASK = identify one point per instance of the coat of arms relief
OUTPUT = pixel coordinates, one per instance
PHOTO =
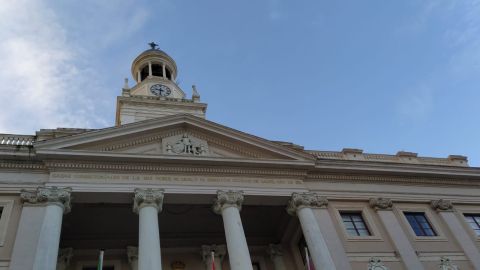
(185, 144)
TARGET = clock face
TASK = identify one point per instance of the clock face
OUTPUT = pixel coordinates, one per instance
(160, 90)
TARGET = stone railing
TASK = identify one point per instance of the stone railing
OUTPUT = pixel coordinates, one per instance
(12, 139)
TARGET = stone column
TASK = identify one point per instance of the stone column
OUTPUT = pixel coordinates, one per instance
(276, 254)
(64, 257)
(446, 211)
(219, 252)
(383, 207)
(164, 73)
(139, 76)
(229, 204)
(132, 255)
(301, 204)
(149, 69)
(147, 203)
(38, 236)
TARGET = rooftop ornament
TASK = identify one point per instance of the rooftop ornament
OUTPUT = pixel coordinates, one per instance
(153, 45)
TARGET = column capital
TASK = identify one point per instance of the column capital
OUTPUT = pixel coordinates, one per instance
(219, 251)
(132, 254)
(148, 197)
(275, 250)
(381, 203)
(441, 205)
(227, 199)
(48, 195)
(306, 199)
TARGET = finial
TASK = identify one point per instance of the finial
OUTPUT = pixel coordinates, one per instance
(153, 45)
(195, 94)
(125, 86)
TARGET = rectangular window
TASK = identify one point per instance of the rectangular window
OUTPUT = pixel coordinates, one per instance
(474, 221)
(354, 224)
(420, 224)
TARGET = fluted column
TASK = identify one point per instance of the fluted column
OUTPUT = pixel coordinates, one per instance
(36, 245)
(446, 211)
(219, 254)
(147, 203)
(132, 255)
(276, 254)
(64, 257)
(383, 207)
(301, 204)
(228, 204)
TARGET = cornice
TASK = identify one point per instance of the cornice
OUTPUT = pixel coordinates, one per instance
(332, 166)
(391, 179)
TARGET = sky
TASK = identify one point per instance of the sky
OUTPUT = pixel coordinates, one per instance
(381, 76)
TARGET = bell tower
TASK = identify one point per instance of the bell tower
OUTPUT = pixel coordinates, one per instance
(156, 93)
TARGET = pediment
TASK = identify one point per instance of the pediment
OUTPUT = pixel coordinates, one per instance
(179, 135)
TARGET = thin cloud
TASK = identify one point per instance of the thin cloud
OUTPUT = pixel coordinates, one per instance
(417, 105)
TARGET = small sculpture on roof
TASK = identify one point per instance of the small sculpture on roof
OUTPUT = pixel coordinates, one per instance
(153, 45)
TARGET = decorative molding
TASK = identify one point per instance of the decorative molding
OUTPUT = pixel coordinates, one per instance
(185, 145)
(376, 264)
(275, 250)
(391, 179)
(146, 167)
(48, 195)
(219, 251)
(148, 197)
(227, 199)
(381, 203)
(26, 165)
(446, 264)
(132, 254)
(307, 199)
(442, 205)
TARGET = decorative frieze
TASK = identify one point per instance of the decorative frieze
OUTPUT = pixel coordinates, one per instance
(219, 251)
(227, 199)
(307, 199)
(442, 205)
(381, 203)
(275, 251)
(47, 195)
(446, 264)
(376, 264)
(148, 197)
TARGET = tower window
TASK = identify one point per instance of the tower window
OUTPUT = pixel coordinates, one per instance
(169, 74)
(144, 73)
(157, 70)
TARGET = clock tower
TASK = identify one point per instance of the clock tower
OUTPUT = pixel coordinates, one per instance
(156, 93)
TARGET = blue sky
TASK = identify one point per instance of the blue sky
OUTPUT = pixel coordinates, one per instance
(378, 75)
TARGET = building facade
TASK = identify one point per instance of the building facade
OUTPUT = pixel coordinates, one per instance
(167, 189)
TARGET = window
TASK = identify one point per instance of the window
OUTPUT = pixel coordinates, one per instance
(420, 224)
(354, 224)
(474, 221)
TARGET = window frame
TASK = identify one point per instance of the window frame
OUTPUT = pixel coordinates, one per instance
(7, 207)
(350, 215)
(368, 219)
(424, 232)
(431, 218)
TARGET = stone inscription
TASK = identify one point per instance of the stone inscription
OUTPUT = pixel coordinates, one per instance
(131, 178)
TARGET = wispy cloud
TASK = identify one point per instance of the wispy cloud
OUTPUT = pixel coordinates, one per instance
(417, 105)
(43, 82)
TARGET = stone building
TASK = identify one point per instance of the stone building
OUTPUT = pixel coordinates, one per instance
(165, 187)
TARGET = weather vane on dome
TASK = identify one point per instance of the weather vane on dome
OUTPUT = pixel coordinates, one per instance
(153, 45)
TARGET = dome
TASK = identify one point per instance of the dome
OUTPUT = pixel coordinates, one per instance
(153, 62)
